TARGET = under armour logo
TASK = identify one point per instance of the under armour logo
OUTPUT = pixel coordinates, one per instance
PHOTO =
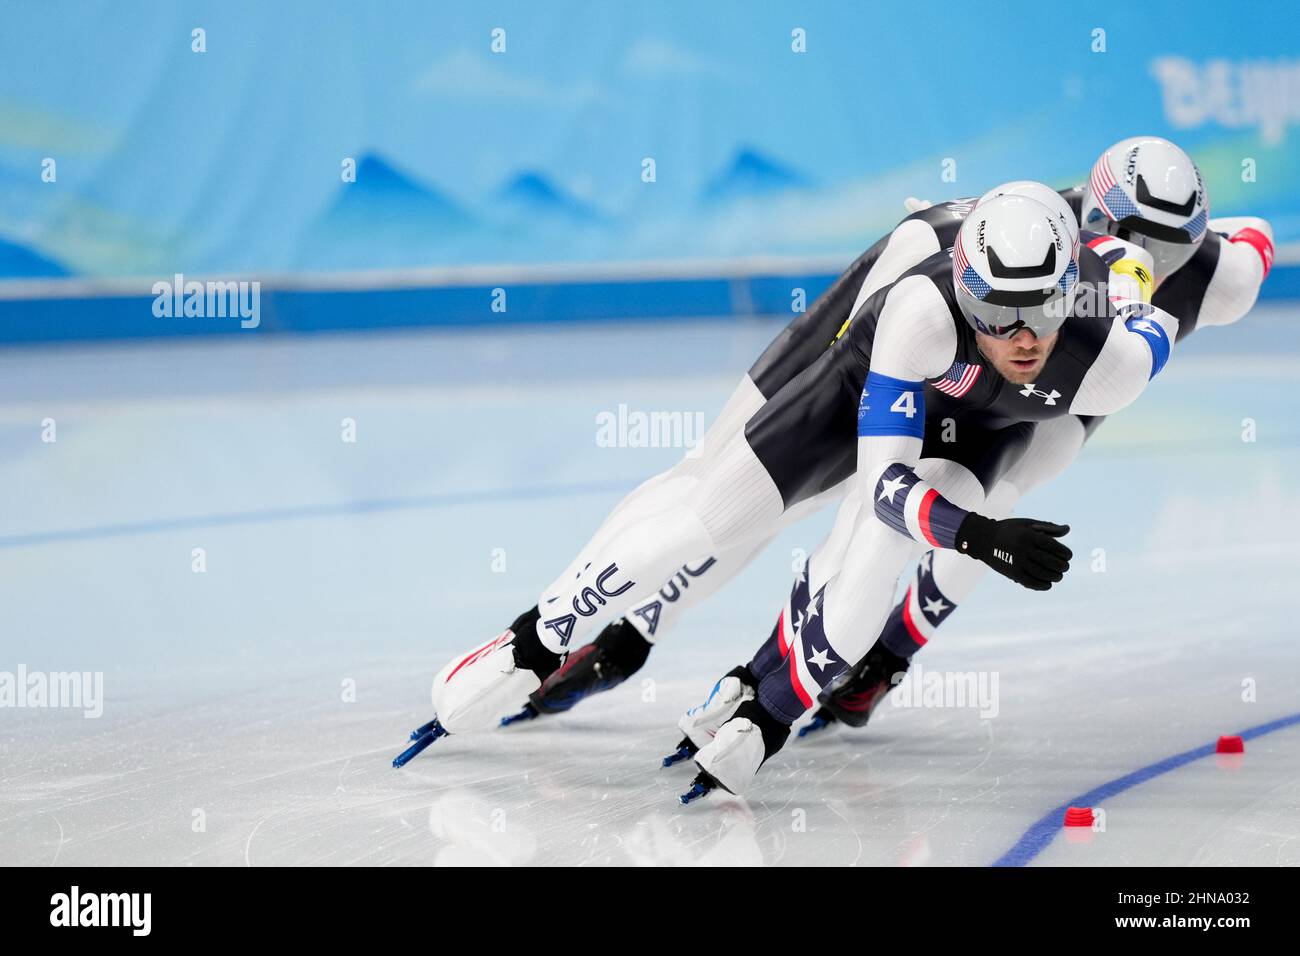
(1049, 398)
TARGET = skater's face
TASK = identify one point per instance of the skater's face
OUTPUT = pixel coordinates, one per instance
(1020, 358)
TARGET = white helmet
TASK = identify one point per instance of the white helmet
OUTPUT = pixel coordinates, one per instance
(1149, 192)
(1014, 266)
(1044, 194)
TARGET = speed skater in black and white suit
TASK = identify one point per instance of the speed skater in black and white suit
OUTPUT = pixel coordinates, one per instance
(802, 442)
(1202, 282)
(1073, 339)
(1206, 279)
(1212, 278)
(623, 646)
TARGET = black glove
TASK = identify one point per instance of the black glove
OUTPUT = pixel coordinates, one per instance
(1022, 549)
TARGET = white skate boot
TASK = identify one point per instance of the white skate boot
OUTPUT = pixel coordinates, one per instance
(740, 746)
(475, 690)
(699, 724)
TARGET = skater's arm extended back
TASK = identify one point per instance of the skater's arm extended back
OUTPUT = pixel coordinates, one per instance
(1245, 258)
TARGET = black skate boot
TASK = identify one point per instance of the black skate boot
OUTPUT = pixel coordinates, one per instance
(614, 656)
(529, 651)
(852, 697)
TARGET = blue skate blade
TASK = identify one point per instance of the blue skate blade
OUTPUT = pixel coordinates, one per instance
(420, 744)
(703, 784)
(425, 729)
(697, 790)
(414, 750)
(528, 713)
(677, 756)
(817, 723)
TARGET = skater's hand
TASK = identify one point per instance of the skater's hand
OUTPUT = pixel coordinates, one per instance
(1022, 549)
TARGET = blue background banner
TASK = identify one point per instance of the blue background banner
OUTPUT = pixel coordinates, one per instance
(315, 138)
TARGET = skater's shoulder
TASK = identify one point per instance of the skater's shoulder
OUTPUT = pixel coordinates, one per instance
(918, 326)
(944, 216)
(920, 297)
(924, 293)
(930, 291)
(935, 271)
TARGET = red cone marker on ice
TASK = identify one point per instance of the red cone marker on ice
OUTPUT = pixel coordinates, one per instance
(1229, 753)
(1078, 817)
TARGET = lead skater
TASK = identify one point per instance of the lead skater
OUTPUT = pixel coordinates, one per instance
(1207, 279)
(801, 443)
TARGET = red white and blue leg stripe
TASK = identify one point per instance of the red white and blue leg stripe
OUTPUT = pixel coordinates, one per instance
(777, 646)
(914, 619)
(810, 665)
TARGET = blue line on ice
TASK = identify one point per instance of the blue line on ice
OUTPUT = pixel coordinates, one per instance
(1036, 839)
(365, 506)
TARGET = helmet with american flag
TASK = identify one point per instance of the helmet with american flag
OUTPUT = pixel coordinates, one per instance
(1147, 191)
(1014, 267)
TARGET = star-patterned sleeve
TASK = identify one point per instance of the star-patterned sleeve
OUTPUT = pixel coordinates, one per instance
(915, 340)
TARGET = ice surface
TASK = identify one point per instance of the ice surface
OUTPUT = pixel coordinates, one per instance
(373, 562)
